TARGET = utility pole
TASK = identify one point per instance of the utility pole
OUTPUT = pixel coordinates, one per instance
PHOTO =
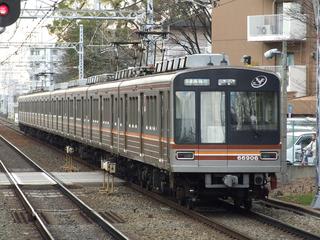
(81, 53)
(316, 200)
(284, 110)
(150, 38)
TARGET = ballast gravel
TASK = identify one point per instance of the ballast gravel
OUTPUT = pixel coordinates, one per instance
(145, 218)
(308, 223)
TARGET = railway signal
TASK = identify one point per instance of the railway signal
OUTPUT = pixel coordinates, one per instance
(9, 12)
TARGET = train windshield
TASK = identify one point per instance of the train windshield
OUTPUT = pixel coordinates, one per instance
(185, 130)
(212, 109)
(256, 111)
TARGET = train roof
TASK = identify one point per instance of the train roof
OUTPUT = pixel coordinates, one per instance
(163, 77)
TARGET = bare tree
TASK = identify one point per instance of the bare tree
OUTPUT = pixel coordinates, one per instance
(191, 20)
(304, 12)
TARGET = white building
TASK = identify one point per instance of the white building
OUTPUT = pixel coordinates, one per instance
(44, 65)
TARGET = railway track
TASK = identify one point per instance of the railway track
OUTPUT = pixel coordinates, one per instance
(228, 230)
(275, 223)
(287, 228)
(43, 210)
(211, 220)
(290, 207)
(193, 214)
(12, 126)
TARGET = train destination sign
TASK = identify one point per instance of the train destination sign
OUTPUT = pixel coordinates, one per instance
(196, 82)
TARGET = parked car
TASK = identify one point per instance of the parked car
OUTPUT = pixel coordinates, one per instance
(295, 142)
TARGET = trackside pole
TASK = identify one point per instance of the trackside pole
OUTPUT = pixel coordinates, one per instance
(316, 200)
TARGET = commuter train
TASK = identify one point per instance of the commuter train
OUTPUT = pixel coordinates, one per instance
(203, 131)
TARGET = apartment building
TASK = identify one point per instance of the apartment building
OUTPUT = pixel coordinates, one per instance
(251, 27)
(44, 66)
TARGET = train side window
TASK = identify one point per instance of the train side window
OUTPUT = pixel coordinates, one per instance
(137, 111)
(65, 107)
(59, 107)
(108, 111)
(78, 109)
(103, 110)
(70, 108)
(55, 107)
(129, 109)
(185, 117)
(95, 116)
(154, 115)
(121, 111)
(151, 113)
(146, 113)
(115, 108)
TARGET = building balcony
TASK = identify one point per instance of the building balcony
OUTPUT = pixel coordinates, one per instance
(272, 28)
(297, 78)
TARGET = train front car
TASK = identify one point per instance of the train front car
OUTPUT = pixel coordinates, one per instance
(226, 133)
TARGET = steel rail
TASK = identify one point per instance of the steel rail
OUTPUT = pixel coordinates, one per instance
(11, 125)
(91, 213)
(45, 233)
(290, 207)
(284, 226)
(193, 214)
(275, 223)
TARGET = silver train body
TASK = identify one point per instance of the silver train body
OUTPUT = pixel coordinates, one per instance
(211, 130)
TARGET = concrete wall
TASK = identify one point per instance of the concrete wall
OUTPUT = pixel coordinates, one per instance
(295, 172)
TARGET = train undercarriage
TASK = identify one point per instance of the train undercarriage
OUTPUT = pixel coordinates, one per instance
(186, 188)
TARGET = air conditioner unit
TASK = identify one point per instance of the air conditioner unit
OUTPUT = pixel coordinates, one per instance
(266, 29)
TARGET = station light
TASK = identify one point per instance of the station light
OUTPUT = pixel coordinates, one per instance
(9, 12)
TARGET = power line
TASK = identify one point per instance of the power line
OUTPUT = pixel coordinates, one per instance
(30, 34)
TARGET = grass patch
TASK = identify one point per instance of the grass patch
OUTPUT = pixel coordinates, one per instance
(303, 199)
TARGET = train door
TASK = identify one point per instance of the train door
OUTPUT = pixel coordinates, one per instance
(125, 122)
(141, 111)
(55, 117)
(100, 111)
(90, 117)
(74, 116)
(51, 114)
(82, 116)
(68, 115)
(121, 127)
(211, 112)
(166, 125)
(116, 123)
(60, 115)
(111, 120)
(161, 122)
(77, 116)
(61, 112)
(85, 120)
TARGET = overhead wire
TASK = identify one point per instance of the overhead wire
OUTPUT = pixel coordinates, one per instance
(52, 9)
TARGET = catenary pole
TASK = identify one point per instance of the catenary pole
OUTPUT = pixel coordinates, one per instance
(284, 106)
(149, 27)
(81, 53)
(316, 200)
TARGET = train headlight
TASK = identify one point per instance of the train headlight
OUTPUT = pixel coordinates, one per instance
(269, 156)
(185, 155)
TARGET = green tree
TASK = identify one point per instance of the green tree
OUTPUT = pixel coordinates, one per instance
(98, 61)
